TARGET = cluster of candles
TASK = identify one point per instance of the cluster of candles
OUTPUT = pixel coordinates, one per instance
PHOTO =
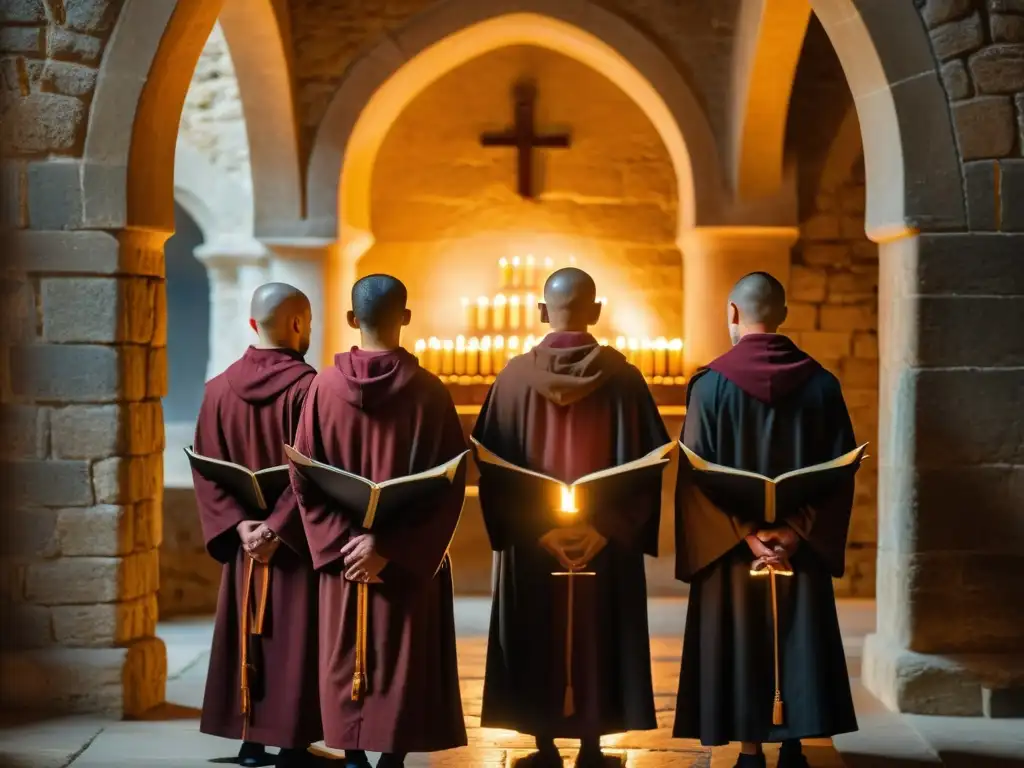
(504, 313)
(478, 359)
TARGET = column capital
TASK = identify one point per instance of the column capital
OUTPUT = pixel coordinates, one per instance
(227, 252)
(739, 236)
(298, 248)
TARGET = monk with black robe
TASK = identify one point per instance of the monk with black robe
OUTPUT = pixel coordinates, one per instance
(248, 413)
(378, 414)
(767, 407)
(567, 408)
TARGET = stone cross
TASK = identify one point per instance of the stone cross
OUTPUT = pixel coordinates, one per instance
(522, 136)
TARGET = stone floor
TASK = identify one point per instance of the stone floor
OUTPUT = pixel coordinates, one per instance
(170, 738)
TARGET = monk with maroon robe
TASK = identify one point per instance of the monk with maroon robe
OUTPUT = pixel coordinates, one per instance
(764, 406)
(567, 408)
(378, 414)
(248, 413)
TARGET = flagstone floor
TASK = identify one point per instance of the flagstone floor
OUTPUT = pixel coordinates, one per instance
(169, 737)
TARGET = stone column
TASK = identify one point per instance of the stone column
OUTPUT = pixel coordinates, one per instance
(714, 258)
(236, 266)
(306, 263)
(950, 631)
(83, 473)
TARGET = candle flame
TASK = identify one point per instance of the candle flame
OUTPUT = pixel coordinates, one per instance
(602, 300)
(460, 342)
(620, 342)
(500, 300)
(569, 500)
(502, 262)
(529, 259)
(514, 301)
(513, 342)
(482, 301)
(485, 343)
(675, 344)
(474, 344)
(548, 263)
(633, 344)
(499, 342)
(515, 261)
(603, 342)
(465, 301)
(448, 345)
(660, 343)
(421, 346)
(434, 342)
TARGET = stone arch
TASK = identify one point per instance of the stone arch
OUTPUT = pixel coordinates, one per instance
(845, 151)
(213, 200)
(913, 169)
(379, 85)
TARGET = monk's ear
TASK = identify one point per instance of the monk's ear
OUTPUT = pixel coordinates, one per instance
(353, 321)
(544, 317)
(734, 314)
(783, 314)
(406, 316)
(252, 324)
(595, 313)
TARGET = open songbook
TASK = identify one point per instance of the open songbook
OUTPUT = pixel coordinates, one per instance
(258, 490)
(755, 497)
(377, 505)
(615, 485)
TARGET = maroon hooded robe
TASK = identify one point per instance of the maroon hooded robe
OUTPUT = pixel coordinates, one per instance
(379, 415)
(248, 413)
(567, 408)
(765, 407)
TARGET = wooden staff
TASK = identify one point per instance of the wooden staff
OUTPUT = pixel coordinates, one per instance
(251, 625)
(760, 568)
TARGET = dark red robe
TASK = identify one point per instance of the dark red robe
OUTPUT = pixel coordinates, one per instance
(567, 408)
(380, 415)
(249, 412)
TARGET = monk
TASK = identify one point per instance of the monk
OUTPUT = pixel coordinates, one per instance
(764, 406)
(378, 414)
(248, 413)
(567, 408)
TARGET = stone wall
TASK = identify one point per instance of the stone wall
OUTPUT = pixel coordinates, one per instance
(444, 204)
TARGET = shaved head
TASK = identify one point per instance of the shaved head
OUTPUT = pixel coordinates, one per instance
(757, 301)
(379, 309)
(281, 315)
(570, 300)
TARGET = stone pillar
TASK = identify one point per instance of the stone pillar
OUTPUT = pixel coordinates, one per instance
(82, 470)
(236, 266)
(306, 264)
(950, 631)
(714, 258)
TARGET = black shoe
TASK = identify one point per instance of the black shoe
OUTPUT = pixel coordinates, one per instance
(252, 755)
(791, 755)
(750, 761)
(545, 757)
(356, 758)
(388, 760)
(296, 758)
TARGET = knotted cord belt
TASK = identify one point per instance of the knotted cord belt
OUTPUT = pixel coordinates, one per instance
(362, 615)
(772, 572)
(252, 624)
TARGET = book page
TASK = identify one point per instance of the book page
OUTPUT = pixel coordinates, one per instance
(702, 465)
(485, 456)
(447, 469)
(192, 454)
(268, 470)
(305, 461)
(841, 461)
(655, 457)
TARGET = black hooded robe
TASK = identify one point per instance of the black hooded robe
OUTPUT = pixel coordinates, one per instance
(765, 407)
(567, 408)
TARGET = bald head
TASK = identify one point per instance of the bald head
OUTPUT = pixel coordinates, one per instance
(757, 303)
(379, 309)
(570, 300)
(281, 315)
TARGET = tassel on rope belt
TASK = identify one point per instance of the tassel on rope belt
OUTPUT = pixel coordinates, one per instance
(362, 630)
(771, 573)
(252, 624)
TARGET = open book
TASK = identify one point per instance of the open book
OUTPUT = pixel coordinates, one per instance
(258, 490)
(751, 496)
(615, 485)
(383, 504)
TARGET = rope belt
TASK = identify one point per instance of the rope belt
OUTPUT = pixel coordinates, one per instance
(569, 700)
(252, 624)
(771, 572)
(362, 615)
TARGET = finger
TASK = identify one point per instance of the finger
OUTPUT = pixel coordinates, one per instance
(351, 544)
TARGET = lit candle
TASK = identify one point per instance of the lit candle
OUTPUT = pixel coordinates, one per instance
(506, 272)
(603, 342)
(517, 273)
(572, 260)
(660, 356)
(633, 351)
(529, 343)
(549, 265)
(646, 358)
(434, 355)
(675, 357)
(568, 500)
(448, 358)
(499, 353)
(473, 357)
(620, 344)
(468, 315)
(459, 368)
(421, 352)
(486, 361)
(514, 316)
(531, 315)
(483, 311)
(531, 272)
(500, 312)
(513, 347)
(602, 300)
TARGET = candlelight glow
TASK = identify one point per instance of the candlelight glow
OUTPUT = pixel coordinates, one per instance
(568, 500)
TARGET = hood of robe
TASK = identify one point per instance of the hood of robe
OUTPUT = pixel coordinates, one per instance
(566, 367)
(369, 379)
(263, 374)
(767, 366)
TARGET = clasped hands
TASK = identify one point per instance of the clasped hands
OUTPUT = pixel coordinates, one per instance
(574, 546)
(258, 541)
(773, 546)
(362, 561)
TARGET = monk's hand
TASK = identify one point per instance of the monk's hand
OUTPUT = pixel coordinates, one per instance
(265, 544)
(558, 542)
(247, 533)
(588, 546)
(762, 551)
(362, 561)
(783, 536)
